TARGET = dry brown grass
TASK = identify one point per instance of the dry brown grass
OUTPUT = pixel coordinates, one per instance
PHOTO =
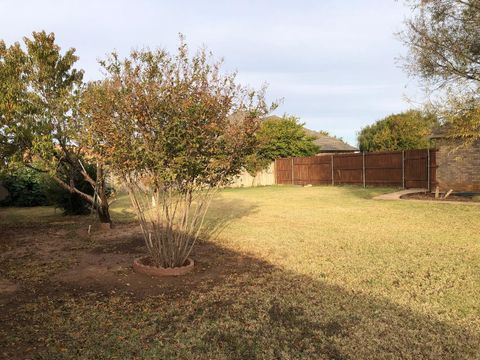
(314, 273)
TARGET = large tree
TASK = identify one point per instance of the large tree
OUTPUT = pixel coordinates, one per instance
(280, 137)
(40, 128)
(404, 131)
(174, 128)
(443, 38)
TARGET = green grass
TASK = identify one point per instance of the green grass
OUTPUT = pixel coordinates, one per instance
(39, 214)
(120, 211)
(319, 273)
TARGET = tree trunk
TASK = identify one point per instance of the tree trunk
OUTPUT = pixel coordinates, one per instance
(102, 202)
(103, 213)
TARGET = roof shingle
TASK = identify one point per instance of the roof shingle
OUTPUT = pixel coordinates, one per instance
(330, 143)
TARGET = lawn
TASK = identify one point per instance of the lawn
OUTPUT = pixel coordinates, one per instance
(291, 272)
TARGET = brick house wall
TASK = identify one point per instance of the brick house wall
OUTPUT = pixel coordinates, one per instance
(458, 167)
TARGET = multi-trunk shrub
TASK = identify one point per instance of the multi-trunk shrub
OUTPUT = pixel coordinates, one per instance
(174, 128)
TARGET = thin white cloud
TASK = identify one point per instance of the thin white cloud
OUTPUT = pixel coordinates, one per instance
(332, 61)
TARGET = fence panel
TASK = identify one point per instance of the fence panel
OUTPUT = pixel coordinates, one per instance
(384, 168)
(433, 168)
(415, 169)
(420, 169)
(262, 178)
(312, 170)
(348, 169)
(320, 172)
(412, 168)
(283, 171)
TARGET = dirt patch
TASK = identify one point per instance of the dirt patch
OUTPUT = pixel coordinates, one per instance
(7, 287)
(7, 290)
(430, 196)
(128, 242)
(54, 258)
(51, 265)
(57, 265)
(109, 272)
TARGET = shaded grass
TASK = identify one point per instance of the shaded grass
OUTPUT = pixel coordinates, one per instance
(327, 273)
(38, 214)
(262, 313)
(120, 211)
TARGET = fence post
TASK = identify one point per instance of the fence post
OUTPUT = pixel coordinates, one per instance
(293, 183)
(363, 174)
(403, 169)
(333, 178)
(275, 172)
(428, 170)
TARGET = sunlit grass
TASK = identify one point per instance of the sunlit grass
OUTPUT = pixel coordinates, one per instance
(418, 254)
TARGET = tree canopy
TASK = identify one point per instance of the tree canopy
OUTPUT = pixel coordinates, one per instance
(174, 128)
(280, 137)
(443, 38)
(404, 131)
(40, 89)
(177, 118)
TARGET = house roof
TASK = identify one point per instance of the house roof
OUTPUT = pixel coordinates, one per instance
(330, 143)
(327, 143)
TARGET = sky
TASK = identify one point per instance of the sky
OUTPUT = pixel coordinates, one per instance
(334, 63)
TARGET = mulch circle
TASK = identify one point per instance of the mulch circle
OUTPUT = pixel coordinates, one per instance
(144, 265)
(431, 196)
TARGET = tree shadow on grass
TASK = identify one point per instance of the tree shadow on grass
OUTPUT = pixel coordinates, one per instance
(233, 306)
(223, 212)
(359, 192)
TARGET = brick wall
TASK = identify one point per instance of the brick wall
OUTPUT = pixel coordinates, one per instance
(458, 167)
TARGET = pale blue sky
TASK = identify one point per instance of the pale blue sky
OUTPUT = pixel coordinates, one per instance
(332, 61)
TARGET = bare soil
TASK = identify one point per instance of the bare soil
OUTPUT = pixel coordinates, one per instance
(7, 287)
(61, 261)
(430, 196)
(48, 258)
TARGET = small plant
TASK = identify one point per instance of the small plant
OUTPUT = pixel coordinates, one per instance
(174, 129)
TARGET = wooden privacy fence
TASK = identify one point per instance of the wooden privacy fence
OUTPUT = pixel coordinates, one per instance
(407, 169)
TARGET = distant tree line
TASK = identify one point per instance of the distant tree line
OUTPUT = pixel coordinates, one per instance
(404, 131)
(280, 137)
